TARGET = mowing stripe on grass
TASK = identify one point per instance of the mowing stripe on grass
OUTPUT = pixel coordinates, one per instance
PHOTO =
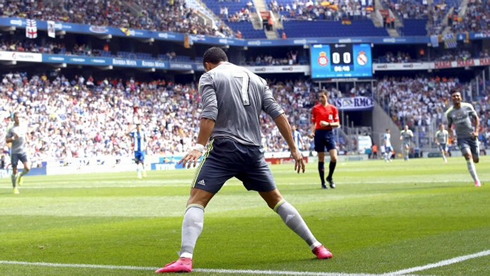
(185, 183)
(222, 271)
(441, 263)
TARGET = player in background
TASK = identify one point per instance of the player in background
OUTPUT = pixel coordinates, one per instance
(325, 117)
(139, 146)
(463, 116)
(387, 145)
(406, 136)
(232, 101)
(17, 136)
(298, 140)
(441, 141)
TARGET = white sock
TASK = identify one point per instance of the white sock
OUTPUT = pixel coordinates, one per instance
(295, 222)
(191, 229)
(472, 170)
(444, 157)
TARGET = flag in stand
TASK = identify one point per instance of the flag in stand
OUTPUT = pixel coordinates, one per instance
(51, 29)
(450, 41)
(31, 29)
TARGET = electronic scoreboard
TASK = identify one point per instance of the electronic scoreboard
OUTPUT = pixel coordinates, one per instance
(340, 60)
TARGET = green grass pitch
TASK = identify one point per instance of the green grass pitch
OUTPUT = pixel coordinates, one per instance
(383, 217)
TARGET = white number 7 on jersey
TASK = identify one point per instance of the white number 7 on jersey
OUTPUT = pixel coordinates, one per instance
(244, 90)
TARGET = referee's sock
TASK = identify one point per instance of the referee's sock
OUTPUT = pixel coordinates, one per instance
(321, 171)
(331, 169)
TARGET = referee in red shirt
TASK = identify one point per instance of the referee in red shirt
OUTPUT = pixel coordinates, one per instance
(325, 117)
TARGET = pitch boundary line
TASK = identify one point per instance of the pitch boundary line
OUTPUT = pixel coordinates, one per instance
(268, 272)
(441, 263)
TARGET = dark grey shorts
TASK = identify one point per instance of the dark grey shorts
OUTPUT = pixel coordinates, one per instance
(15, 157)
(470, 143)
(227, 158)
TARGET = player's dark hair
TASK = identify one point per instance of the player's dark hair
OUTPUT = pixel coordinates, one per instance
(214, 55)
(455, 90)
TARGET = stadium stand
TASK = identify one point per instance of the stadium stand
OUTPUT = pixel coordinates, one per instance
(360, 28)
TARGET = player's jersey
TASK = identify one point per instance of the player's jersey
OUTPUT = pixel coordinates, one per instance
(441, 136)
(139, 140)
(407, 135)
(328, 113)
(461, 118)
(387, 139)
(234, 97)
(19, 144)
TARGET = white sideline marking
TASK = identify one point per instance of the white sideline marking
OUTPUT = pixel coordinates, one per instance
(223, 271)
(439, 264)
(268, 272)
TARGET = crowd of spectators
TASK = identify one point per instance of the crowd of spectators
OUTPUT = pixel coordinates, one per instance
(476, 18)
(415, 101)
(85, 118)
(242, 14)
(290, 59)
(323, 10)
(155, 15)
(421, 102)
(405, 9)
(400, 57)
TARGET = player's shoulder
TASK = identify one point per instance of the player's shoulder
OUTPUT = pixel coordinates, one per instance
(467, 105)
(451, 108)
(331, 107)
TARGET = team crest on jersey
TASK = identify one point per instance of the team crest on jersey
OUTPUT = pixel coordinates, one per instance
(362, 58)
(323, 59)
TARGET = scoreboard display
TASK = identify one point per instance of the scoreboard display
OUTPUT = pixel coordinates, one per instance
(340, 61)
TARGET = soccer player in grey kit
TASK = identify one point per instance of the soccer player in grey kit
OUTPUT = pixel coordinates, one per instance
(18, 152)
(232, 101)
(462, 115)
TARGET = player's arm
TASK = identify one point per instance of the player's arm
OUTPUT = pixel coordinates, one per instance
(336, 121)
(285, 129)
(435, 137)
(477, 125)
(11, 136)
(401, 135)
(208, 118)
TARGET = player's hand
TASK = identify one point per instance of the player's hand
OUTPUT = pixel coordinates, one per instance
(311, 135)
(299, 163)
(474, 134)
(324, 124)
(190, 159)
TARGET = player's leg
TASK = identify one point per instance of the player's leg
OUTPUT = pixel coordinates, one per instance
(208, 181)
(320, 149)
(443, 149)
(27, 167)
(466, 150)
(331, 167)
(475, 154)
(292, 218)
(137, 156)
(14, 161)
(321, 168)
(142, 161)
(192, 226)
(407, 152)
